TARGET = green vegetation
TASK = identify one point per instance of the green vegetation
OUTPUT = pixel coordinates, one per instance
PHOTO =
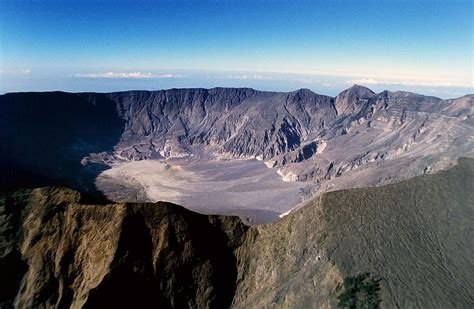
(360, 291)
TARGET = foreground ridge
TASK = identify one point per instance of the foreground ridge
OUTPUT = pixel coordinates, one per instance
(404, 245)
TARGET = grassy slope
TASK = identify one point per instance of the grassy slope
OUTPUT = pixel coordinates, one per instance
(416, 236)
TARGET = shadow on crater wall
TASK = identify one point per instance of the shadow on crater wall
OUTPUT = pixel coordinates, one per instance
(44, 137)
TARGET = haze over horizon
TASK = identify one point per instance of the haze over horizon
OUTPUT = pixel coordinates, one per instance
(419, 46)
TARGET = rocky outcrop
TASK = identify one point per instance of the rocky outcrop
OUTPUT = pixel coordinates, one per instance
(402, 245)
(301, 154)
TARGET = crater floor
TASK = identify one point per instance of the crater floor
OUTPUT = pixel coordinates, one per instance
(246, 188)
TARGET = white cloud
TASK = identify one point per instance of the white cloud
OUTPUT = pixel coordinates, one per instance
(251, 77)
(138, 75)
(315, 82)
(365, 81)
(16, 72)
(310, 81)
(428, 83)
(169, 76)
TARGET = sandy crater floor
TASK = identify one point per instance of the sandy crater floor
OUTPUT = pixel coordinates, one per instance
(239, 187)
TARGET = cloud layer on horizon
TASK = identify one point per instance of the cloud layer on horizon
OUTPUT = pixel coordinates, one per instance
(110, 80)
(137, 75)
(427, 83)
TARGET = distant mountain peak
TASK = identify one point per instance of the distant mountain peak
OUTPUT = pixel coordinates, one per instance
(304, 90)
(359, 89)
(348, 101)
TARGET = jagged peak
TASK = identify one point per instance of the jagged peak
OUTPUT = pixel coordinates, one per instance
(348, 101)
(358, 90)
(303, 90)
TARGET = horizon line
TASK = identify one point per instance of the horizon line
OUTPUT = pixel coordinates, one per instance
(221, 87)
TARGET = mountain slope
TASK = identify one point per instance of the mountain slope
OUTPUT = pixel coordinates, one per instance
(412, 238)
(357, 139)
(74, 254)
(240, 122)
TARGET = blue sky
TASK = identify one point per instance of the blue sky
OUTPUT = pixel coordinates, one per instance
(420, 46)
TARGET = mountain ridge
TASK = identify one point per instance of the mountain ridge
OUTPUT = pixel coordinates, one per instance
(59, 249)
(246, 88)
(358, 138)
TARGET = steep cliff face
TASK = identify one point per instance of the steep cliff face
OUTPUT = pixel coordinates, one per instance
(239, 122)
(73, 254)
(230, 122)
(356, 139)
(402, 245)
